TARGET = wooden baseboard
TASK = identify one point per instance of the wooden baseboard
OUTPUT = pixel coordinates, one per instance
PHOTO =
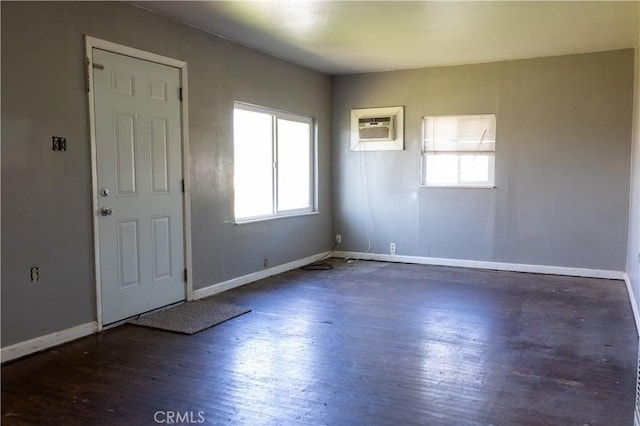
(479, 264)
(41, 343)
(632, 299)
(249, 278)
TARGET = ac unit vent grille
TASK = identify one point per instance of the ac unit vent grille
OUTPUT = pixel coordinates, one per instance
(375, 120)
(375, 129)
(376, 133)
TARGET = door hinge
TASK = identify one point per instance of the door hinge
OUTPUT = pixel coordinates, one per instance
(185, 275)
(87, 69)
(88, 66)
(182, 185)
(180, 94)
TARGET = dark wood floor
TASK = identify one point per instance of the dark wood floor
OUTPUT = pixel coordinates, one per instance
(362, 344)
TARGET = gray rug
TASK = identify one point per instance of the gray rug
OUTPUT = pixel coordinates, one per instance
(191, 317)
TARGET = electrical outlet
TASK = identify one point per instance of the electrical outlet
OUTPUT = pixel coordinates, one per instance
(35, 274)
(392, 248)
(265, 262)
(338, 238)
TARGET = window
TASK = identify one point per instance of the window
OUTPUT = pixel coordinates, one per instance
(273, 163)
(459, 151)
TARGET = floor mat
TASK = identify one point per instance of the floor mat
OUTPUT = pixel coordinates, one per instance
(191, 317)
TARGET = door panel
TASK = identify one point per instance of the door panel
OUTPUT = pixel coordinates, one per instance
(128, 254)
(159, 154)
(139, 164)
(161, 248)
(124, 128)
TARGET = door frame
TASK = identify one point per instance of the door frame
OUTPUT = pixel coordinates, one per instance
(90, 44)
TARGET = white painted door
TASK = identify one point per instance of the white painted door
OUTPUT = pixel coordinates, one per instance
(139, 185)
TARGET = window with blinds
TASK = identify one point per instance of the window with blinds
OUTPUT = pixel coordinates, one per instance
(459, 151)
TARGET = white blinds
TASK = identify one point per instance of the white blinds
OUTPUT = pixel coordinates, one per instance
(461, 133)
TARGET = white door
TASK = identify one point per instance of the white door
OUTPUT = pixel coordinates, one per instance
(139, 185)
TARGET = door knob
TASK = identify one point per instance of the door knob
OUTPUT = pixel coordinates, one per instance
(106, 211)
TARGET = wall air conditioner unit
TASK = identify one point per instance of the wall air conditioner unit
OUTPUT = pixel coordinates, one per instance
(377, 129)
(374, 129)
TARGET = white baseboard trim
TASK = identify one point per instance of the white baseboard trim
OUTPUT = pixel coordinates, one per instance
(480, 264)
(41, 343)
(255, 276)
(632, 299)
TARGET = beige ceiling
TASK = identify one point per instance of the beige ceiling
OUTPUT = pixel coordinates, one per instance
(339, 37)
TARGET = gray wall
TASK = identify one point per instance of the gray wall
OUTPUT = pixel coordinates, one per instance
(562, 163)
(46, 196)
(633, 246)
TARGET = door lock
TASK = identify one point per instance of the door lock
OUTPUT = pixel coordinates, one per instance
(106, 211)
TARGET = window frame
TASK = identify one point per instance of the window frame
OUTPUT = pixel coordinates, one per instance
(473, 148)
(313, 155)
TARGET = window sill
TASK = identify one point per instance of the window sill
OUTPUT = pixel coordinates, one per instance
(281, 216)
